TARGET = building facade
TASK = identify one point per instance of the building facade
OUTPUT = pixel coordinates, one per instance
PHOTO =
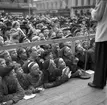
(64, 7)
(52, 7)
(80, 6)
(16, 7)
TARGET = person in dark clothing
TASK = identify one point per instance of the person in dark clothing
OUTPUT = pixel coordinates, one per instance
(71, 61)
(35, 76)
(24, 80)
(10, 90)
(99, 13)
(22, 56)
(84, 56)
(14, 55)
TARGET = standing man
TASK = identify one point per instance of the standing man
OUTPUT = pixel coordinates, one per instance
(100, 15)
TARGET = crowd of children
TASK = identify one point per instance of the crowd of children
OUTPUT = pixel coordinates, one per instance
(25, 69)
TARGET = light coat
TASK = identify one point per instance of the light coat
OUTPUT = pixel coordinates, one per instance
(100, 15)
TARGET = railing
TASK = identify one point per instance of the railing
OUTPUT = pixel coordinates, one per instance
(73, 39)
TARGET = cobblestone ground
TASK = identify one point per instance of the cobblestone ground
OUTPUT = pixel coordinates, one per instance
(74, 92)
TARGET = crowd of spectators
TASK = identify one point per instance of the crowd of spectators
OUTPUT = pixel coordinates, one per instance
(25, 69)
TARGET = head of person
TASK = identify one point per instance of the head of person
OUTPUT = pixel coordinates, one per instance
(49, 65)
(34, 68)
(60, 63)
(33, 54)
(40, 51)
(16, 25)
(47, 55)
(46, 32)
(67, 51)
(2, 62)
(59, 34)
(18, 68)
(79, 49)
(22, 53)
(53, 35)
(13, 54)
(66, 32)
(86, 45)
(7, 57)
(42, 37)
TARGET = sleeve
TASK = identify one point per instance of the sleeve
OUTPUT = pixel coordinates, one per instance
(98, 12)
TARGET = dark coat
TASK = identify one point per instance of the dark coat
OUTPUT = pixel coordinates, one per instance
(10, 89)
(25, 83)
(23, 80)
(69, 62)
(35, 77)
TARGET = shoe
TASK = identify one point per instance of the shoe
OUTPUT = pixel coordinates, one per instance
(94, 86)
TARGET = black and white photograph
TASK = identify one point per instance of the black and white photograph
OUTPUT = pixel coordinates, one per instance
(53, 52)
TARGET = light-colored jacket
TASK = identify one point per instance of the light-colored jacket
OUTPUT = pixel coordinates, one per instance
(100, 15)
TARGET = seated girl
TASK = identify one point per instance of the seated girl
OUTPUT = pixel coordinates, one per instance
(35, 75)
(24, 80)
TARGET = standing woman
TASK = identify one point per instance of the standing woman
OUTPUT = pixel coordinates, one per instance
(100, 15)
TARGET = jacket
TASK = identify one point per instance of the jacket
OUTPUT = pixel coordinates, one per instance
(100, 15)
(10, 89)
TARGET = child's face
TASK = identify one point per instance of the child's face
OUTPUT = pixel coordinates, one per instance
(53, 35)
(7, 57)
(46, 32)
(23, 55)
(35, 69)
(17, 25)
(60, 34)
(42, 37)
(79, 48)
(19, 69)
(86, 45)
(68, 51)
(50, 56)
(3, 63)
(34, 49)
(35, 52)
(61, 63)
(14, 54)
